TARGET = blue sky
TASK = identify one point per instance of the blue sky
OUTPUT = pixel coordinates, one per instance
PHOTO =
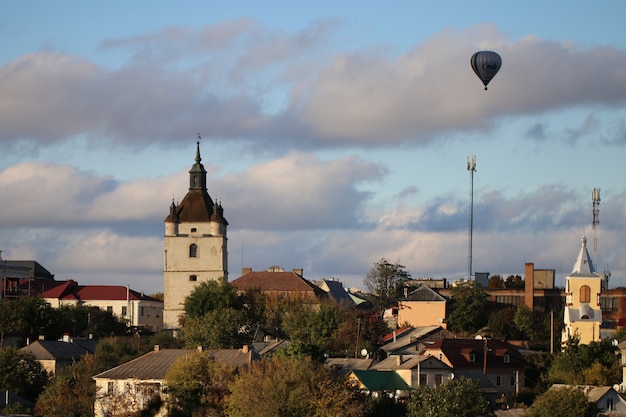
(334, 134)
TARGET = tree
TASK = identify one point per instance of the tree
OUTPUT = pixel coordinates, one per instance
(501, 324)
(469, 308)
(216, 316)
(198, 385)
(385, 281)
(21, 373)
(71, 393)
(460, 398)
(495, 281)
(290, 386)
(514, 281)
(592, 364)
(571, 402)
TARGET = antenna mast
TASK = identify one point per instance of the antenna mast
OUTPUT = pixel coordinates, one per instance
(595, 203)
(471, 167)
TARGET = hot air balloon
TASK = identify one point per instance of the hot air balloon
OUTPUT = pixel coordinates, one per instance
(486, 65)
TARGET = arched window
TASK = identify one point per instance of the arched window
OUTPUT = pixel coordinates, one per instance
(585, 294)
(193, 250)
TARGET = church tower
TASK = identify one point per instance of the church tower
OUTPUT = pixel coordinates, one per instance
(195, 244)
(583, 314)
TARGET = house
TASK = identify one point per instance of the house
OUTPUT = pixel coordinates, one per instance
(336, 292)
(417, 370)
(344, 366)
(380, 383)
(608, 401)
(23, 278)
(144, 377)
(411, 341)
(56, 354)
(137, 309)
(422, 307)
(276, 283)
(497, 365)
(583, 314)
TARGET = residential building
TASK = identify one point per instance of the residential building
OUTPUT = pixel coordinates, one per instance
(23, 278)
(412, 340)
(134, 384)
(195, 244)
(422, 307)
(497, 365)
(138, 309)
(56, 354)
(344, 366)
(583, 314)
(380, 384)
(336, 292)
(608, 401)
(417, 370)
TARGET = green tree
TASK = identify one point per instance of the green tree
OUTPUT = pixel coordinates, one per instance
(71, 393)
(469, 308)
(514, 281)
(21, 373)
(198, 385)
(501, 324)
(571, 402)
(385, 281)
(290, 386)
(592, 364)
(216, 316)
(113, 351)
(460, 398)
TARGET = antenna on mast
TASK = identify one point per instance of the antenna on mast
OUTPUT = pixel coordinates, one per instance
(595, 203)
(471, 167)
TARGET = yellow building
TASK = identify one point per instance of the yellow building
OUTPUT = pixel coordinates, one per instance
(583, 314)
(195, 244)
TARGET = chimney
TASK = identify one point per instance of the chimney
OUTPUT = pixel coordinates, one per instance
(200, 348)
(66, 337)
(157, 348)
(399, 360)
(245, 271)
(245, 348)
(529, 285)
(299, 271)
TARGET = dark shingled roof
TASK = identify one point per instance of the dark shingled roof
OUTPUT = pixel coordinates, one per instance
(424, 293)
(56, 350)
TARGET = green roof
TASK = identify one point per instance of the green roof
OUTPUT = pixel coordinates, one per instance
(381, 380)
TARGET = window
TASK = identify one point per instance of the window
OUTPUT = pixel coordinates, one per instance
(438, 379)
(472, 357)
(507, 358)
(110, 388)
(141, 311)
(585, 294)
(609, 404)
(441, 356)
(110, 309)
(513, 380)
(423, 379)
(498, 380)
(193, 230)
(124, 311)
(193, 277)
(193, 250)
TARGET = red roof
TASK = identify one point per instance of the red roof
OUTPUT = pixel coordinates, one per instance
(277, 282)
(72, 291)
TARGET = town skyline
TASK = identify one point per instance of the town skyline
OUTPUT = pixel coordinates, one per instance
(334, 135)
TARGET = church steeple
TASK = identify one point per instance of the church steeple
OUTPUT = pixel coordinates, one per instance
(197, 174)
(584, 264)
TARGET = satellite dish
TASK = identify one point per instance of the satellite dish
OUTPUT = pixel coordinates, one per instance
(364, 352)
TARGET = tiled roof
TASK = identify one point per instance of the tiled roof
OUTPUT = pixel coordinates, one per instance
(393, 363)
(458, 352)
(72, 291)
(155, 364)
(409, 336)
(270, 281)
(343, 366)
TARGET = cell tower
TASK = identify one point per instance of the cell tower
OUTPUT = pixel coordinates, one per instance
(471, 167)
(595, 203)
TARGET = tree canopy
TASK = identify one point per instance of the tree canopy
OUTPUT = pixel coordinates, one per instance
(460, 398)
(571, 402)
(385, 280)
(469, 308)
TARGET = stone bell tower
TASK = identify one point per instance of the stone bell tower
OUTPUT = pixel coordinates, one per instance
(195, 244)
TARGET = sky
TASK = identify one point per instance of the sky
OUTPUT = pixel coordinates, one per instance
(334, 134)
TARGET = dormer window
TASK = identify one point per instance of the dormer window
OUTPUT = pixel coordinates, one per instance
(507, 358)
(193, 250)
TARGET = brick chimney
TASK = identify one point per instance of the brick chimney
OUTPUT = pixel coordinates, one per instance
(529, 285)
